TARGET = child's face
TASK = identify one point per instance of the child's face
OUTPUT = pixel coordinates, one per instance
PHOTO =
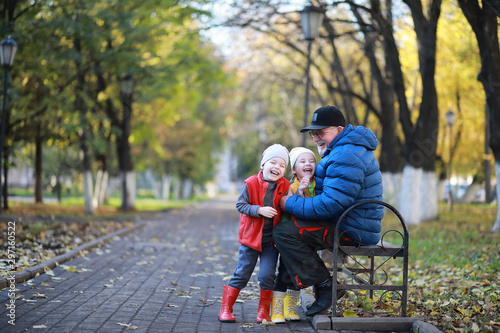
(305, 165)
(274, 169)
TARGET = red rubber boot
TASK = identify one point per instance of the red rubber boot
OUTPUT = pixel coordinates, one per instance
(229, 296)
(264, 304)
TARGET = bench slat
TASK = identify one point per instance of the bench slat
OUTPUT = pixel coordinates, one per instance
(389, 250)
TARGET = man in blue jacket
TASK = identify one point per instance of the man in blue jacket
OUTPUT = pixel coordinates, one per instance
(347, 173)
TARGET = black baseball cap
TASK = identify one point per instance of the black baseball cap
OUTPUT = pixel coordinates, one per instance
(325, 117)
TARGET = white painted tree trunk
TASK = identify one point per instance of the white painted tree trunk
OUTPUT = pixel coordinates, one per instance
(187, 189)
(104, 188)
(496, 227)
(392, 187)
(177, 188)
(428, 196)
(440, 189)
(131, 189)
(155, 185)
(87, 192)
(97, 190)
(165, 186)
(470, 193)
(197, 190)
(409, 202)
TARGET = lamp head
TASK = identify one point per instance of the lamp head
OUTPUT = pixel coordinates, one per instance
(127, 84)
(450, 117)
(312, 19)
(8, 49)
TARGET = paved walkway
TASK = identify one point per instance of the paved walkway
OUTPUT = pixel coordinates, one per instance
(165, 277)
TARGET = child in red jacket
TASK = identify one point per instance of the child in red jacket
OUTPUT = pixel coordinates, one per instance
(259, 205)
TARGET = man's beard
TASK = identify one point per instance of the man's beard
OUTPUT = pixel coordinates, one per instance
(321, 149)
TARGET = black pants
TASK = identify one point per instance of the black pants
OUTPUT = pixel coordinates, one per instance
(283, 281)
(298, 242)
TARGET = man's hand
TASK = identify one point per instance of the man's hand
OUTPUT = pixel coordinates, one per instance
(285, 198)
(267, 211)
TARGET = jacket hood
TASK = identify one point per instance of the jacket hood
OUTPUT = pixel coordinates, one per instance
(359, 135)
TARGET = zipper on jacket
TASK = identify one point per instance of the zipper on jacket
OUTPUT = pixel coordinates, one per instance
(250, 227)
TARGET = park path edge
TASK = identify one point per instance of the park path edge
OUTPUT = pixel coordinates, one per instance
(41, 268)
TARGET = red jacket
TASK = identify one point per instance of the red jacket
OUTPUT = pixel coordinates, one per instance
(251, 227)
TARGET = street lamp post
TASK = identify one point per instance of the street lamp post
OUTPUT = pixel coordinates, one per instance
(311, 18)
(8, 49)
(127, 86)
(450, 120)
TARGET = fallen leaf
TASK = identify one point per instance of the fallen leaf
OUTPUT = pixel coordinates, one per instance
(349, 314)
(462, 311)
(39, 326)
(128, 326)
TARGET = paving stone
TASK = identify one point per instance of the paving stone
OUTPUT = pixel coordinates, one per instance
(165, 277)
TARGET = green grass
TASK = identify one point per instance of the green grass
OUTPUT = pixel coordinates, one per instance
(458, 238)
(73, 205)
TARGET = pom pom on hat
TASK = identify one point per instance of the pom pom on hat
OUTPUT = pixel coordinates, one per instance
(275, 150)
(296, 152)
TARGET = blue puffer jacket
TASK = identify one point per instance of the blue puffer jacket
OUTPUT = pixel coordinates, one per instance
(347, 173)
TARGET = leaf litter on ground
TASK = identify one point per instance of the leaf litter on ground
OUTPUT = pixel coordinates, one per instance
(454, 265)
(38, 240)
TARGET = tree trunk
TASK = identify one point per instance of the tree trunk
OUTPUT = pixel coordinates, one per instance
(87, 192)
(470, 193)
(101, 182)
(484, 23)
(38, 167)
(5, 178)
(496, 226)
(5, 158)
(177, 188)
(392, 187)
(153, 182)
(421, 140)
(428, 196)
(104, 188)
(87, 175)
(409, 204)
(79, 104)
(488, 195)
(440, 189)
(187, 189)
(123, 145)
(166, 181)
(389, 144)
(58, 189)
(131, 189)
(98, 188)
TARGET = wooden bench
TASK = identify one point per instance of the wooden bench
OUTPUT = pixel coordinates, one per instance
(361, 268)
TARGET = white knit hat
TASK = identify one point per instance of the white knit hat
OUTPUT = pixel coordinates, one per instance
(296, 152)
(275, 150)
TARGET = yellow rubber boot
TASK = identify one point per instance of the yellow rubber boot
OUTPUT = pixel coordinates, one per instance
(291, 300)
(277, 307)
